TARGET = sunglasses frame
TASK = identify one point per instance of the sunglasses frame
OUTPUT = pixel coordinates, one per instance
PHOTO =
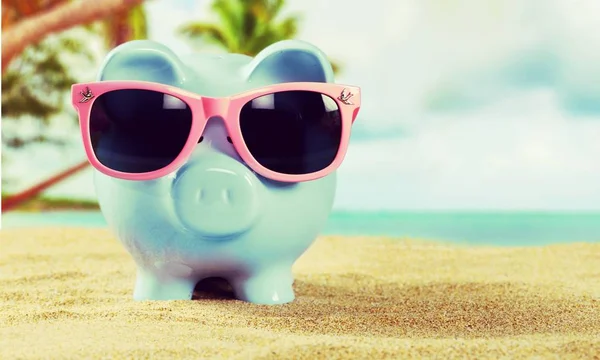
(347, 98)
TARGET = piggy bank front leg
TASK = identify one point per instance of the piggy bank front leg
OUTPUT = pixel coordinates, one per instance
(164, 283)
(269, 286)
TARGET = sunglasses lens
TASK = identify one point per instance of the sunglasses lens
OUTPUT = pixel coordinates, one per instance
(138, 131)
(292, 132)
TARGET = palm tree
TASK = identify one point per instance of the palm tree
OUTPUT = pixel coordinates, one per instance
(245, 26)
(124, 20)
(41, 60)
(27, 22)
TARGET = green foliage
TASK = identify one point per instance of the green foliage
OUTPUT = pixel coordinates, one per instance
(42, 203)
(126, 26)
(35, 84)
(245, 27)
(138, 23)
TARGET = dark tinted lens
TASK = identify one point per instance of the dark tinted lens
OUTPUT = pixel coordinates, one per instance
(138, 131)
(292, 132)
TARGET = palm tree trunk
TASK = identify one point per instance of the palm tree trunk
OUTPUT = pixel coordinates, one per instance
(33, 29)
(18, 199)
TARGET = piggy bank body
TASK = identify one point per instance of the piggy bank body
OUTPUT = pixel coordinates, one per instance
(215, 217)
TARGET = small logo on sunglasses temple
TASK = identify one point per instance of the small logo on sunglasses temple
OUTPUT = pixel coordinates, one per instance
(86, 95)
(345, 97)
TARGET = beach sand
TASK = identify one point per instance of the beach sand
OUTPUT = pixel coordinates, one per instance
(67, 294)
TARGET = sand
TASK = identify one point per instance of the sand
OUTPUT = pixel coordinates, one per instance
(67, 294)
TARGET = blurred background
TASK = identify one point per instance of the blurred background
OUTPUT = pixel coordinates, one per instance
(480, 119)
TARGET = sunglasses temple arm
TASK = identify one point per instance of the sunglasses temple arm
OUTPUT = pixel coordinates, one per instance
(355, 114)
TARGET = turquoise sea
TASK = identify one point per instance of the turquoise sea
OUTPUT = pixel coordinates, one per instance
(483, 228)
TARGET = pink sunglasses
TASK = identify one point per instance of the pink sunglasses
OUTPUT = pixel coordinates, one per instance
(290, 132)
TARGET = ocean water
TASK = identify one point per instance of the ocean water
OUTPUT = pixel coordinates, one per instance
(482, 228)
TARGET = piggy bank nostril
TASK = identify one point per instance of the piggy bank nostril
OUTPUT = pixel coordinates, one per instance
(226, 195)
(200, 140)
(199, 195)
(229, 139)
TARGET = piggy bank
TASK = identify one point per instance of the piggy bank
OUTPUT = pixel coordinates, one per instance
(215, 165)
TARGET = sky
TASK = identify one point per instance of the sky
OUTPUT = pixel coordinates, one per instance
(467, 105)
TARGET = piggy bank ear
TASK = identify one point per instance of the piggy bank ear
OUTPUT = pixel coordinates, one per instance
(142, 60)
(290, 61)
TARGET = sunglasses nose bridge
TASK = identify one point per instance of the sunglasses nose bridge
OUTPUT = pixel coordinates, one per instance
(215, 107)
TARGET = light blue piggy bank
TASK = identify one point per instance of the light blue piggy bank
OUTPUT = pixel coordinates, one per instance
(252, 235)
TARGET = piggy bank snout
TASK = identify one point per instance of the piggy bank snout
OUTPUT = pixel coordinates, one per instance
(216, 196)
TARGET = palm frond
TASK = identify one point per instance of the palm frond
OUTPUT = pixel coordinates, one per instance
(247, 26)
(288, 27)
(138, 22)
(208, 32)
(335, 66)
(230, 18)
(33, 85)
(18, 141)
(125, 26)
(267, 10)
(250, 26)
